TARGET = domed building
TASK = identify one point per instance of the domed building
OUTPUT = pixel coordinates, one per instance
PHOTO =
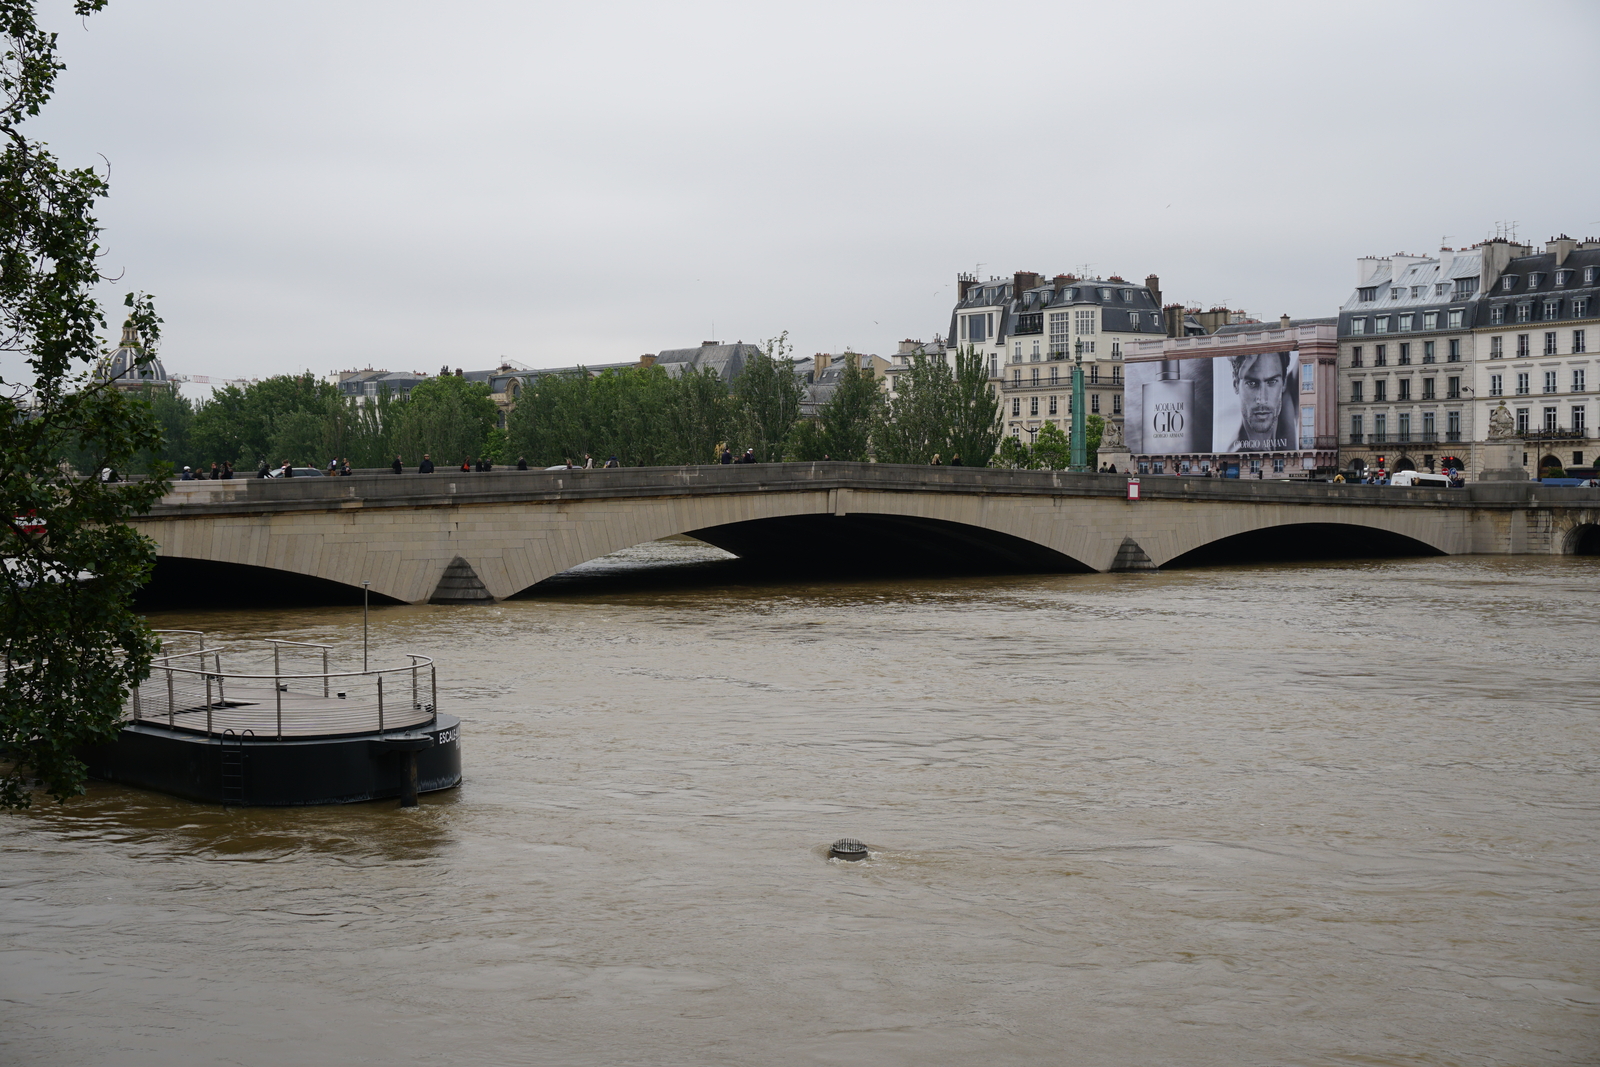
(123, 369)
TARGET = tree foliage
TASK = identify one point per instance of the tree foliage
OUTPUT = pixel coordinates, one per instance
(848, 418)
(70, 638)
(940, 409)
(767, 398)
(446, 417)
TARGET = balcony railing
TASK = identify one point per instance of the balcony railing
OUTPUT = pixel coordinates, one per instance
(1580, 433)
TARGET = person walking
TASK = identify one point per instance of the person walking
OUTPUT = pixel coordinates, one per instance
(216, 472)
(955, 459)
(288, 470)
(263, 472)
(612, 462)
(588, 462)
(227, 470)
(727, 454)
(397, 466)
(466, 465)
(937, 462)
(522, 463)
(426, 466)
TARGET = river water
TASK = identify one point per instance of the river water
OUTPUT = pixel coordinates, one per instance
(1339, 813)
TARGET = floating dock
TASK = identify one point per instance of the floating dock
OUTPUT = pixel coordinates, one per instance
(256, 734)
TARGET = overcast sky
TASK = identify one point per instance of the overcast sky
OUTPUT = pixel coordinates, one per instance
(405, 185)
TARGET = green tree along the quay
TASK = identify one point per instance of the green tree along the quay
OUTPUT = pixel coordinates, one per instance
(941, 410)
(72, 643)
(767, 400)
(266, 421)
(974, 413)
(447, 417)
(849, 416)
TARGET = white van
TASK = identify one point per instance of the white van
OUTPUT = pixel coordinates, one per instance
(1422, 478)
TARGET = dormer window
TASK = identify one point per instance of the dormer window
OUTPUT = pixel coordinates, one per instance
(1563, 277)
(1368, 294)
(1465, 287)
(1396, 293)
(1069, 294)
(1418, 290)
(1439, 289)
(1508, 283)
(1105, 294)
(1127, 296)
(1588, 276)
(1534, 280)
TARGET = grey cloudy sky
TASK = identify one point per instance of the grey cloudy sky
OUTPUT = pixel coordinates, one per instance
(405, 185)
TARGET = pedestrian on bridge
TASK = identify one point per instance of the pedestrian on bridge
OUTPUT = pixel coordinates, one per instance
(397, 466)
(426, 466)
(522, 463)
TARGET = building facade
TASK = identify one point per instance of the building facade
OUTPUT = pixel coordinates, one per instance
(1429, 346)
(1538, 324)
(1030, 331)
(1252, 400)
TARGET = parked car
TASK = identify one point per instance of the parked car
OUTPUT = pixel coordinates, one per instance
(299, 472)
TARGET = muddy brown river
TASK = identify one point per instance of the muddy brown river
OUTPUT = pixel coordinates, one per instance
(1298, 814)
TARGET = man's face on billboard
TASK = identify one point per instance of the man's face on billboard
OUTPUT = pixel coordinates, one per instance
(1260, 381)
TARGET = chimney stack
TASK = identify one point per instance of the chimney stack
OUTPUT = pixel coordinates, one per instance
(1283, 322)
(1153, 283)
(1560, 247)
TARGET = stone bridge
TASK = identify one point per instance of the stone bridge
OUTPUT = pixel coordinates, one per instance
(455, 537)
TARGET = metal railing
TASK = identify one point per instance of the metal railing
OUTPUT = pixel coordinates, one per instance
(186, 692)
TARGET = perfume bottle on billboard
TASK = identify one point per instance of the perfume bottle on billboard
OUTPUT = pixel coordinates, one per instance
(1170, 417)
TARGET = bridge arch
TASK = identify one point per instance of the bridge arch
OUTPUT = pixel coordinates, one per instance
(1304, 541)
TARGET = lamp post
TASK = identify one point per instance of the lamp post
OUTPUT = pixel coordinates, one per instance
(365, 588)
(1080, 439)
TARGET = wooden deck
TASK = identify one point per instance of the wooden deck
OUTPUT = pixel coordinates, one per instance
(303, 715)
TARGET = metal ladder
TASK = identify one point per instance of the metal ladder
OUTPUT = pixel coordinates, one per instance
(232, 753)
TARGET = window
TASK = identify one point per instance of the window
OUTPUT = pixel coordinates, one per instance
(1368, 294)
(1497, 314)
(1457, 316)
(1055, 374)
(1580, 307)
(1452, 426)
(1116, 403)
(1522, 383)
(1380, 355)
(1439, 289)
(1465, 287)
(1524, 312)
(1427, 388)
(1418, 290)
(1016, 353)
(1355, 429)
(1397, 292)
(1105, 294)
(1455, 349)
(1094, 374)
(1580, 423)
(1016, 375)
(1308, 378)
(1085, 321)
(1033, 405)
(1427, 426)
(1452, 387)
(1563, 277)
(1430, 320)
(1380, 428)
(1588, 276)
(1405, 322)
(1522, 423)
(1522, 344)
(1508, 283)
(1549, 381)
(1380, 390)
(1427, 351)
(1405, 389)
(1358, 326)
(975, 328)
(1277, 464)
(1577, 380)
(1497, 347)
(994, 365)
(1255, 466)
(1550, 343)
(1552, 309)
(1116, 348)
(1535, 279)
(1549, 420)
(1405, 354)
(1383, 323)
(1052, 405)
(1016, 405)
(1116, 375)
(1355, 356)
(1034, 375)
(1035, 351)
(1094, 403)
(1497, 385)
(1059, 322)
(1127, 296)
(1578, 341)
(1355, 393)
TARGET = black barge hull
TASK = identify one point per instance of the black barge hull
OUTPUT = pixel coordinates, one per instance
(247, 771)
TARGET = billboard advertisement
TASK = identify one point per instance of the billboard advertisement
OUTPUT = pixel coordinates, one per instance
(1244, 403)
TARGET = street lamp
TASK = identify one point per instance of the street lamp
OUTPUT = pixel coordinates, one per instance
(1080, 439)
